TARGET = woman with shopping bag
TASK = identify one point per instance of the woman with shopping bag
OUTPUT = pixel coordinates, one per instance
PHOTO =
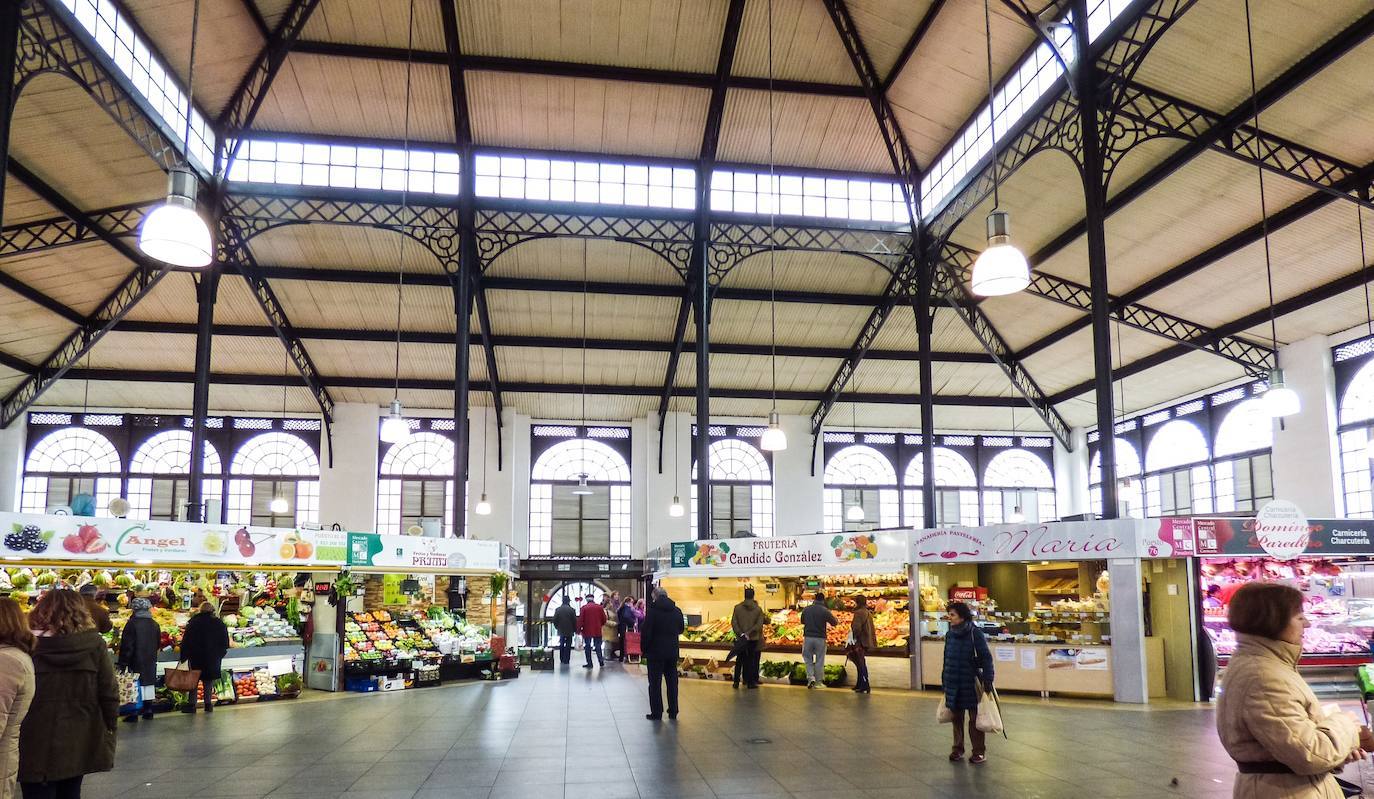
(967, 668)
(138, 645)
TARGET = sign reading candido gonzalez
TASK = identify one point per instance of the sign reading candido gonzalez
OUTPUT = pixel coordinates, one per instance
(852, 552)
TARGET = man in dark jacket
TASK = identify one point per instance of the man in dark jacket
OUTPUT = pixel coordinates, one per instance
(203, 646)
(662, 626)
(746, 621)
(565, 622)
(815, 618)
(99, 613)
(138, 645)
(589, 623)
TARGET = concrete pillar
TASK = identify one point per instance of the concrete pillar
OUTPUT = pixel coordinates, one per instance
(799, 495)
(497, 475)
(662, 528)
(517, 443)
(1071, 475)
(1129, 680)
(643, 442)
(1306, 457)
(348, 488)
(12, 440)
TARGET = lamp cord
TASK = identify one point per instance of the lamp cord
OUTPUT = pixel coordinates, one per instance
(1264, 210)
(584, 357)
(1364, 265)
(992, 114)
(772, 221)
(405, 189)
(191, 82)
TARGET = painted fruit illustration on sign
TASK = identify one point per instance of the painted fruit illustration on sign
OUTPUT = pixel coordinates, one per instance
(28, 538)
(855, 547)
(710, 554)
(293, 547)
(86, 540)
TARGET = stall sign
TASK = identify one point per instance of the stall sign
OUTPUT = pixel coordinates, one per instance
(808, 554)
(422, 553)
(1174, 538)
(83, 539)
(1096, 540)
(1324, 537)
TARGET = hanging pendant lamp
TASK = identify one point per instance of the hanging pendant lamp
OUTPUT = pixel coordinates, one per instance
(279, 504)
(483, 506)
(1017, 515)
(855, 512)
(395, 428)
(1001, 268)
(774, 439)
(175, 232)
(676, 510)
(582, 489)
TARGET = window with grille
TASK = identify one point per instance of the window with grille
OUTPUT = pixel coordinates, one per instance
(155, 492)
(860, 476)
(741, 490)
(270, 465)
(1244, 484)
(956, 492)
(564, 523)
(69, 462)
(415, 483)
(1356, 419)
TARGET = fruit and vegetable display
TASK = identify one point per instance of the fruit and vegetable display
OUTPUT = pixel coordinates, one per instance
(383, 638)
(784, 628)
(1342, 624)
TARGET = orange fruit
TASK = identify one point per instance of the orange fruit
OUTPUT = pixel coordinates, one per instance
(303, 550)
(287, 551)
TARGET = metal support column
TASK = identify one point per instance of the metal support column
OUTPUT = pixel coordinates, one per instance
(11, 11)
(924, 329)
(701, 309)
(462, 309)
(1095, 216)
(206, 290)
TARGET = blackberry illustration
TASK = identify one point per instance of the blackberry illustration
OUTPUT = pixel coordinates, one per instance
(27, 538)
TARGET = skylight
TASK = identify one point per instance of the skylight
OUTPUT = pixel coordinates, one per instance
(345, 166)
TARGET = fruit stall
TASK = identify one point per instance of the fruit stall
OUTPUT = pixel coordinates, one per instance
(253, 584)
(420, 611)
(707, 578)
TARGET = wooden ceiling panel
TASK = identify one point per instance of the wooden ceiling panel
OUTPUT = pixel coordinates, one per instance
(810, 271)
(562, 259)
(377, 22)
(343, 247)
(227, 44)
(358, 97)
(78, 277)
(808, 131)
(885, 27)
(806, 45)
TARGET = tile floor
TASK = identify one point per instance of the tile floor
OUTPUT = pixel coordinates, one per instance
(576, 734)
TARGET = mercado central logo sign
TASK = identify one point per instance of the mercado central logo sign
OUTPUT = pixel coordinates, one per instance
(855, 550)
(419, 552)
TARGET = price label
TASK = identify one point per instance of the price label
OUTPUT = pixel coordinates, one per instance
(276, 668)
(469, 659)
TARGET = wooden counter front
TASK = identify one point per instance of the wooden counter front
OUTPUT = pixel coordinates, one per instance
(1026, 667)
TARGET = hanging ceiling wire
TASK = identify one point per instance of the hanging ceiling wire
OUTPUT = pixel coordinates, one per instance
(396, 429)
(582, 488)
(774, 439)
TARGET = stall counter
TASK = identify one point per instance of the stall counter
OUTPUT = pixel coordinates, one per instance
(1040, 668)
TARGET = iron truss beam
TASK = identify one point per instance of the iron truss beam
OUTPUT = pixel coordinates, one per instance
(49, 234)
(427, 384)
(1256, 358)
(234, 249)
(909, 49)
(565, 69)
(243, 105)
(48, 43)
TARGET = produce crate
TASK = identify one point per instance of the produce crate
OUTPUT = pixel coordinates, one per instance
(362, 685)
(397, 683)
(541, 660)
(427, 676)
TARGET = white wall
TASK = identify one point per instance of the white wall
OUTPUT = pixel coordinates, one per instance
(12, 440)
(348, 490)
(661, 528)
(1306, 458)
(1071, 475)
(800, 495)
(499, 475)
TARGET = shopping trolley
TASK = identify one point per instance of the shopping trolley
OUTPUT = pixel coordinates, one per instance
(633, 653)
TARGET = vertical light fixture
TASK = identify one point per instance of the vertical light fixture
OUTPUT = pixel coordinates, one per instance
(395, 428)
(279, 504)
(1017, 515)
(676, 510)
(774, 439)
(1001, 268)
(175, 232)
(582, 489)
(1279, 399)
(483, 506)
(855, 512)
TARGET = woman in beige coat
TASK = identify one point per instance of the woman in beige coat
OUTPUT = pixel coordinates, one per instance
(1285, 745)
(16, 689)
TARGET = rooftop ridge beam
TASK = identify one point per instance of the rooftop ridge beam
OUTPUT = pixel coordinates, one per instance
(909, 49)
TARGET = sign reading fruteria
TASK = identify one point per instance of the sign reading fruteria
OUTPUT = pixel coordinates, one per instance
(806, 554)
(31, 536)
(419, 553)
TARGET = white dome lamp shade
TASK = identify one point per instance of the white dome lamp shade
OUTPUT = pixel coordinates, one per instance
(395, 428)
(1017, 515)
(855, 513)
(279, 504)
(175, 232)
(676, 510)
(119, 507)
(582, 489)
(774, 439)
(483, 506)
(1279, 399)
(1001, 268)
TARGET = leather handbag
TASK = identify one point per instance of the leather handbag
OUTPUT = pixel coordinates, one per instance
(182, 680)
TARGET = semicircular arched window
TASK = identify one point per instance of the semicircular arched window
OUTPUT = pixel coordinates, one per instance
(859, 476)
(956, 490)
(1178, 479)
(1017, 481)
(1242, 470)
(741, 490)
(415, 483)
(1130, 490)
(1355, 419)
(570, 520)
(66, 463)
(270, 466)
(158, 488)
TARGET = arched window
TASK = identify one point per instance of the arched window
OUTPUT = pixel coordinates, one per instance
(741, 490)
(578, 594)
(1245, 482)
(158, 488)
(956, 490)
(415, 482)
(1178, 479)
(68, 462)
(860, 476)
(1129, 488)
(1356, 421)
(1017, 479)
(563, 522)
(272, 465)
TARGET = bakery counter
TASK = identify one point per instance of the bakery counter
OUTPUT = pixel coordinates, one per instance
(1039, 668)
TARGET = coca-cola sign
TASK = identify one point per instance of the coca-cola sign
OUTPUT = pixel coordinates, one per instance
(1281, 529)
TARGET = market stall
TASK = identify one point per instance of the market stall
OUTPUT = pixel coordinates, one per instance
(255, 585)
(423, 610)
(707, 579)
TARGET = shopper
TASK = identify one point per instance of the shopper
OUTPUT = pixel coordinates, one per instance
(865, 641)
(608, 636)
(815, 619)
(1283, 741)
(138, 645)
(746, 621)
(590, 623)
(565, 622)
(663, 625)
(202, 647)
(100, 615)
(16, 689)
(70, 729)
(639, 612)
(968, 663)
(625, 623)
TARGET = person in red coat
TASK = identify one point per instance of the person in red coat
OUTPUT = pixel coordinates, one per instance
(589, 623)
